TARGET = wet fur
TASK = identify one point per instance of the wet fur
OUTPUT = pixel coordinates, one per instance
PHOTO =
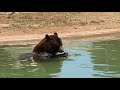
(50, 44)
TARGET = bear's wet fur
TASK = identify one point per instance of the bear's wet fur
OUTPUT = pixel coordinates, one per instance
(48, 48)
(50, 44)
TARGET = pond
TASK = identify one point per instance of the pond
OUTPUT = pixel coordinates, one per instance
(85, 60)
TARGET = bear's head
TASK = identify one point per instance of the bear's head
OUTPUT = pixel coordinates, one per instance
(50, 44)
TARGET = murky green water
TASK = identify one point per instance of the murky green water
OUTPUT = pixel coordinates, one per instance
(85, 60)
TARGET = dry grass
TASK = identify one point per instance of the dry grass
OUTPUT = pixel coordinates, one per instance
(31, 27)
(36, 20)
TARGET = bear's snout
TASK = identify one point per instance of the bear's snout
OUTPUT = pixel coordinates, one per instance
(61, 49)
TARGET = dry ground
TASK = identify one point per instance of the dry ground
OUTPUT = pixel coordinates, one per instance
(30, 28)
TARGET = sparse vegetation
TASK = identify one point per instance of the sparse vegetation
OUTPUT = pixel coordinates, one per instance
(31, 26)
(53, 19)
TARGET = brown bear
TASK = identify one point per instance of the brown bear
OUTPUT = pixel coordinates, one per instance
(50, 44)
(48, 48)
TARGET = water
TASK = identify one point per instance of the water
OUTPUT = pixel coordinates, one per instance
(85, 60)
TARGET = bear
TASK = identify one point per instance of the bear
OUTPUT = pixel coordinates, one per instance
(51, 44)
(48, 48)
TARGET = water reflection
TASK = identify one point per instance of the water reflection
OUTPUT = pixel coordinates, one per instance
(79, 64)
(85, 60)
(106, 59)
(43, 68)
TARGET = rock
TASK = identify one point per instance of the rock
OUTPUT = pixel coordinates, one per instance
(75, 27)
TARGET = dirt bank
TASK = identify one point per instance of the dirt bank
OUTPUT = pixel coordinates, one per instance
(31, 27)
(70, 32)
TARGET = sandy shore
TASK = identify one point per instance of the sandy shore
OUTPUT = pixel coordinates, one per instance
(14, 37)
(31, 27)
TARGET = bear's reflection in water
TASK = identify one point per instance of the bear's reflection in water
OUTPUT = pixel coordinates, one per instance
(46, 67)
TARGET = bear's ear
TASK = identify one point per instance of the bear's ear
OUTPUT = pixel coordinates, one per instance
(47, 37)
(55, 34)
